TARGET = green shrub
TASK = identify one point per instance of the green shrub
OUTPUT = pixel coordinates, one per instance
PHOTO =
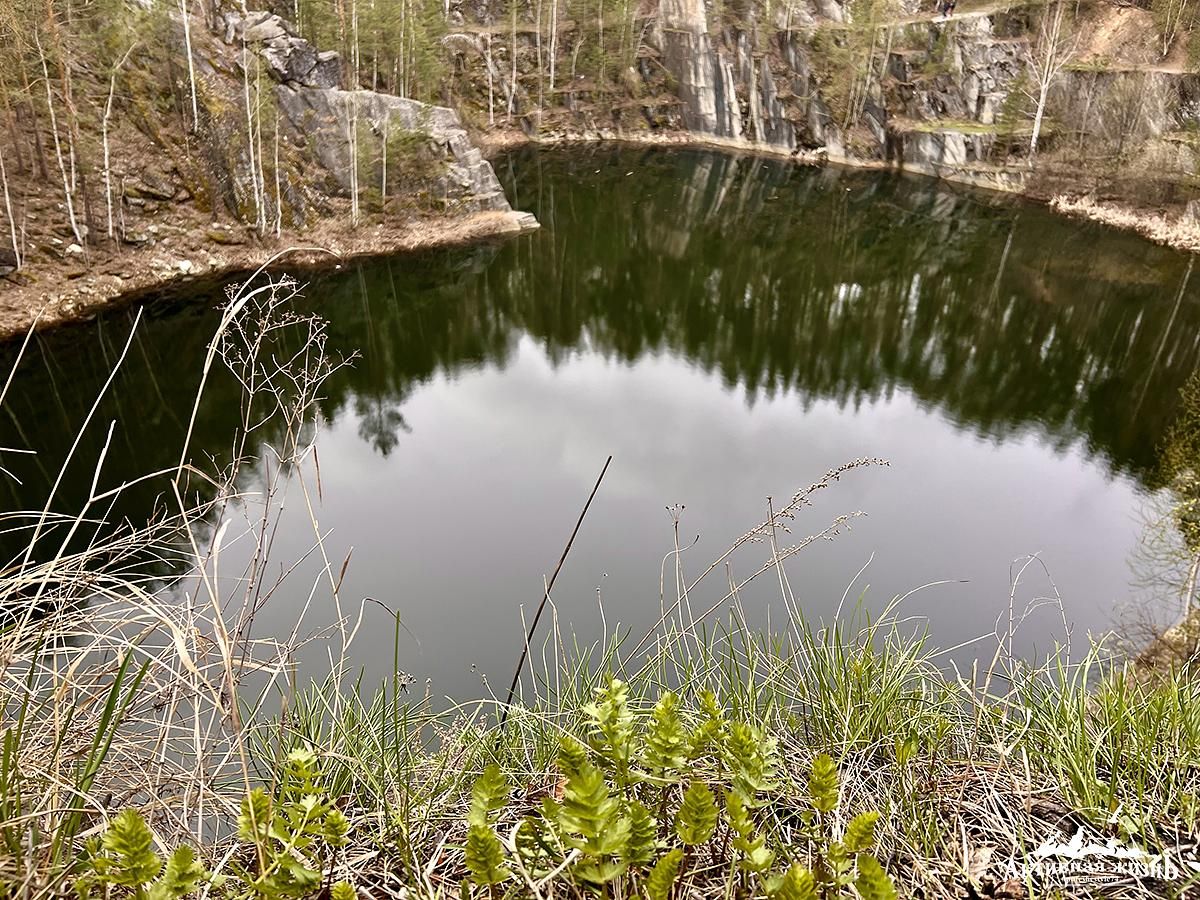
(597, 827)
(292, 837)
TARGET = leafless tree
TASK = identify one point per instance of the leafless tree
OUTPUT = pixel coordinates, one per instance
(108, 105)
(553, 40)
(187, 48)
(1052, 50)
(68, 193)
(12, 222)
(1173, 18)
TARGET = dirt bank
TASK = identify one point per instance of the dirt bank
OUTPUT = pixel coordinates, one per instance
(76, 289)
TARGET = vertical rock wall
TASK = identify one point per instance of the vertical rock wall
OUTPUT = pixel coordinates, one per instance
(706, 84)
(935, 101)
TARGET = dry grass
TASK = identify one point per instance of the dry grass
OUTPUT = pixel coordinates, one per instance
(127, 670)
(1180, 233)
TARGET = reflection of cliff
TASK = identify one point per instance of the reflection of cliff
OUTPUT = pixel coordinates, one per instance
(835, 286)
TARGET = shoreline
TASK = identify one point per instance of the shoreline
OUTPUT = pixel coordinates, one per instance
(1180, 235)
(69, 293)
(62, 295)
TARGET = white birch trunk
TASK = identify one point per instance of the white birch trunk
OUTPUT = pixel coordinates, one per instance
(352, 137)
(108, 201)
(262, 169)
(278, 184)
(491, 88)
(1037, 118)
(112, 87)
(537, 37)
(58, 150)
(512, 51)
(12, 222)
(553, 41)
(254, 186)
(387, 118)
(187, 48)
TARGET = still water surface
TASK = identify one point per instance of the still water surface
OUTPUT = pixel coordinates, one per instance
(728, 329)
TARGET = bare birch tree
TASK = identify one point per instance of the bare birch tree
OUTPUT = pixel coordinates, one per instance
(491, 86)
(187, 48)
(12, 220)
(537, 38)
(1172, 17)
(1052, 50)
(108, 105)
(384, 128)
(512, 52)
(278, 183)
(553, 41)
(351, 106)
(252, 147)
(355, 59)
(264, 209)
(68, 195)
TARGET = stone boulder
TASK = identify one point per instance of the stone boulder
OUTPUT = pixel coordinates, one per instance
(263, 27)
(290, 58)
(152, 184)
(298, 62)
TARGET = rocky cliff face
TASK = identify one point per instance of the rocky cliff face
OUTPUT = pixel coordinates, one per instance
(264, 151)
(328, 140)
(325, 117)
(730, 88)
(945, 98)
(706, 81)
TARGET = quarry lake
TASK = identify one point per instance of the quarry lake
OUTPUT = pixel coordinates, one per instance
(728, 329)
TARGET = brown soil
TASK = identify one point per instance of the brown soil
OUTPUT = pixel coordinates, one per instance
(1120, 35)
(58, 285)
(1126, 38)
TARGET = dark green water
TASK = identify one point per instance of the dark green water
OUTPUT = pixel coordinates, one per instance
(727, 328)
